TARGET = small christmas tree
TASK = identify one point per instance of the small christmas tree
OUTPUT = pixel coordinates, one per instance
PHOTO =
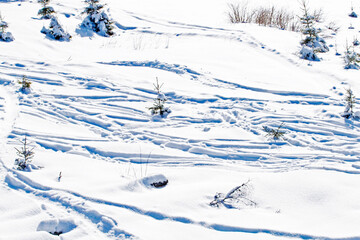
(97, 20)
(5, 36)
(312, 43)
(351, 58)
(25, 84)
(26, 154)
(350, 103)
(158, 107)
(56, 31)
(46, 12)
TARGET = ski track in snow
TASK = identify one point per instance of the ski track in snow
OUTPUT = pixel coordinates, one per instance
(78, 203)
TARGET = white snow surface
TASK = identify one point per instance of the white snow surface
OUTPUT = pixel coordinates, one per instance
(88, 117)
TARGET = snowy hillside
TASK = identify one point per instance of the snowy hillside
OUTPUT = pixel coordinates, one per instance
(99, 150)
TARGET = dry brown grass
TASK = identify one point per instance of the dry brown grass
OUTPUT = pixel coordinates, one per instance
(268, 16)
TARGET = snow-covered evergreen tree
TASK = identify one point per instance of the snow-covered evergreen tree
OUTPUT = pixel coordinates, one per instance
(351, 58)
(25, 155)
(158, 107)
(5, 36)
(56, 31)
(46, 12)
(25, 84)
(312, 43)
(350, 103)
(97, 20)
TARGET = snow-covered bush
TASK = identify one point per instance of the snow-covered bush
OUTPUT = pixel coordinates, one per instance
(46, 12)
(97, 20)
(25, 84)
(350, 103)
(56, 31)
(313, 43)
(158, 107)
(5, 36)
(351, 58)
(308, 54)
(236, 198)
(25, 155)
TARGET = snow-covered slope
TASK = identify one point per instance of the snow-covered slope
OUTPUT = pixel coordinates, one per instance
(87, 117)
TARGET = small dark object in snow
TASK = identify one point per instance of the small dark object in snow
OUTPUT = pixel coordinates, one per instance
(56, 233)
(346, 115)
(159, 184)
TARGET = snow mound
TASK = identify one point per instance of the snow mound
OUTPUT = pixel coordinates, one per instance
(57, 226)
(6, 37)
(156, 181)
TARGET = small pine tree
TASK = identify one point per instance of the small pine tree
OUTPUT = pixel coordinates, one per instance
(351, 57)
(350, 104)
(97, 20)
(158, 107)
(5, 36)
(56, 31)
(25, 153)
(312, 44)
(25, 84)
(46, 12)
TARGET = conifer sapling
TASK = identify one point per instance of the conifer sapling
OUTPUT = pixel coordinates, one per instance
(158, 107)
(46, 12)
(25, 84)
(350, 103)
(25, 155)
(312, 44)
(97, 20)
(56, 31)
(351, 57)
(5, 36)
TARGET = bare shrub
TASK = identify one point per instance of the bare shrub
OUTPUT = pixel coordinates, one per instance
(263, 16)
(238, 13)
(318, 15)
(333, 26)
(236, 198)
(284, 20)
